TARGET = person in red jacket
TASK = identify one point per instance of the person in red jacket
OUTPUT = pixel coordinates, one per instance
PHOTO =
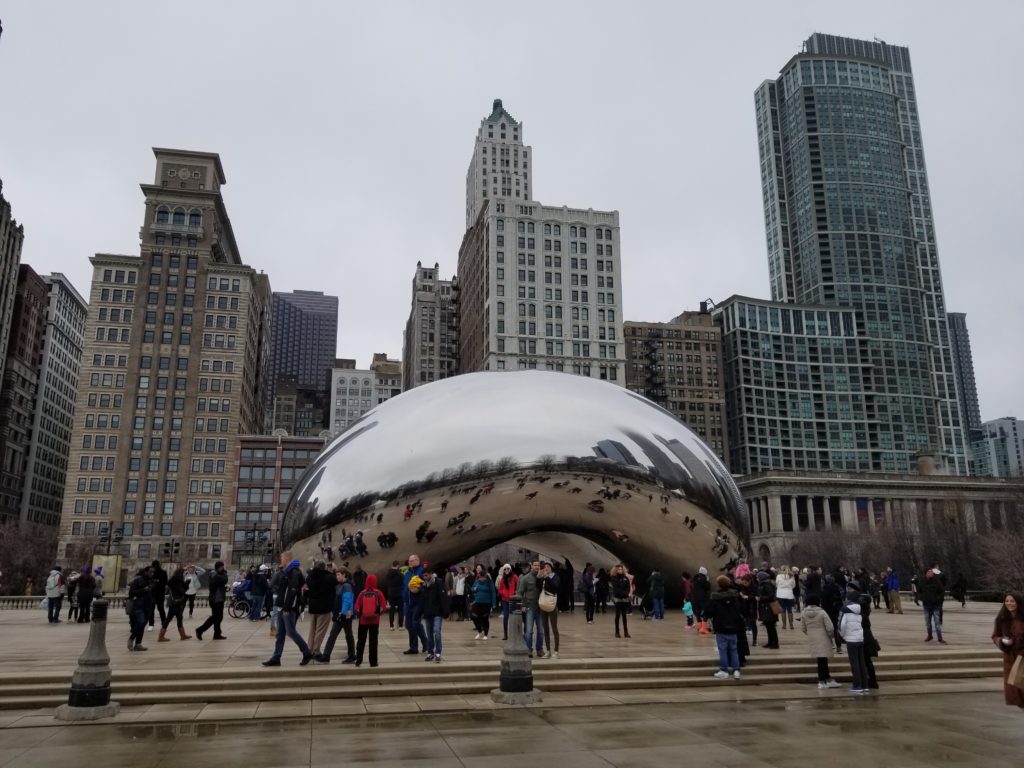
(369, 605)
(507, 581)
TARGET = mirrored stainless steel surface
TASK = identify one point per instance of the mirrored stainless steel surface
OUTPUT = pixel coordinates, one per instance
(453, 467)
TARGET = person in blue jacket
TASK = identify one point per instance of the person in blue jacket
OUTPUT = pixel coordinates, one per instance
(341, 619)
(412, 609)
(892, 584)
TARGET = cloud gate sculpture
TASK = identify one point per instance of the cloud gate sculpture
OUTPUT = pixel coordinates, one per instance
(452, 468)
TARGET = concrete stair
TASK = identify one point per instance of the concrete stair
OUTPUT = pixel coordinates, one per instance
(337, 681)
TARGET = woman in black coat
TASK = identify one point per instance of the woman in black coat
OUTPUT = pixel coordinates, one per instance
(765, 598)
(601, 589)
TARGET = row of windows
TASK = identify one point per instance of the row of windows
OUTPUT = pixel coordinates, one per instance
(174, 261)
(179, 216)
(120, 276)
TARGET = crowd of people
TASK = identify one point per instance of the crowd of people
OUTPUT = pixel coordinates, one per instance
(833, 607)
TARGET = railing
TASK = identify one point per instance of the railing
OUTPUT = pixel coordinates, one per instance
(15, 602)
(188, 229)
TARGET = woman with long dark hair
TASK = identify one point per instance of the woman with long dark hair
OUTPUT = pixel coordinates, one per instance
(601, 589)
(508, 580)
(1008, 636)
(177, 596)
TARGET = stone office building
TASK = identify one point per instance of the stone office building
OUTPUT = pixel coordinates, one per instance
(539, 287)
(678, 365)
(177, 342)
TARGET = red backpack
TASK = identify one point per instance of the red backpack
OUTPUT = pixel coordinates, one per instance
(368, 603)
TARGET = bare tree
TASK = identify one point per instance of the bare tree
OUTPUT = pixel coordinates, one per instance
(26, 549)
(1000, 560)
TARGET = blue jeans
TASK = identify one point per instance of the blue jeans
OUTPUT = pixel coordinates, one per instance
(414, 625)
(53, 605)
(286, 628)
(659, 607)
(728, 652)
(432, 628)
(256, 610)
(933, 615)
(531, 621)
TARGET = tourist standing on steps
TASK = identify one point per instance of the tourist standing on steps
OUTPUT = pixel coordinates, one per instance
(411, 608)
(395, 583)
(435, 608)
(508, 580)
(483, 598)
(342, 614)
(1008, 636)
(932, 593)
(72, 595)
(176, 591)
(724, 610)
(54, 594)
(288, 601)
(785, 593)
(140, 600)
(159, 594)
(550, 584)
(588, 585)
(620, 588)
(853, 634)
(855, 593)
(460, 603)
(193, 574)
(258, 591)
(370, 604)
(86, 593)
(218, 594)
(320, 593)
(832, 603)
(765, 598)
(601, 590)
(701, 596)
(819, 630)
(656, 589)
(528, 591)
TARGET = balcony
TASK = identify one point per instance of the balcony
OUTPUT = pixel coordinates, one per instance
(185, 229)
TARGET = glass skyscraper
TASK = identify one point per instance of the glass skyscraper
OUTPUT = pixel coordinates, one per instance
(849, 227)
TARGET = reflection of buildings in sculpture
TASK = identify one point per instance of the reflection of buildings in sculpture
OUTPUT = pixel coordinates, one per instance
(613, 449)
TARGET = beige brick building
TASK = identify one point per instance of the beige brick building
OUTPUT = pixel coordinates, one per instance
(678, 365)
(176, 346)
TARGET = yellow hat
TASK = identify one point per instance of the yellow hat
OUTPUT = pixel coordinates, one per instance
(415, 583)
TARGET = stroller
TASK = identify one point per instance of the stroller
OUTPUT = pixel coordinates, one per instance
(646, 606)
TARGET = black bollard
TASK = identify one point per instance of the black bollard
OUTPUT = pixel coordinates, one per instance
(89, 697)
(515, 683)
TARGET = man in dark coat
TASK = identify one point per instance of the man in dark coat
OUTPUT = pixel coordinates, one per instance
(218, 596)
(159, 585)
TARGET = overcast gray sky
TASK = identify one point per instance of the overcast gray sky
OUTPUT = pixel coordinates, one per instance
(345, 131)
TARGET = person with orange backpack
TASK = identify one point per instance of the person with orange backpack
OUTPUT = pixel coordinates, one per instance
(369, 605)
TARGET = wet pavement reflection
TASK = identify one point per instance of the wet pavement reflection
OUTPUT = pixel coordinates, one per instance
(971, 729)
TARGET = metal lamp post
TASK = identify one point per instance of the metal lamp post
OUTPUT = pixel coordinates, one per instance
(89, 697)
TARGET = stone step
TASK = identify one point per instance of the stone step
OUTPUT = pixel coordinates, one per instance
(288, 672)
(335, 675)
(288, 693)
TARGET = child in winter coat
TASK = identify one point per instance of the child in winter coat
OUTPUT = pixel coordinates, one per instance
(688, 612)
(852, 632)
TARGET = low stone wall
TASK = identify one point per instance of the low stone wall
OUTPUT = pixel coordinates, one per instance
(15, 602)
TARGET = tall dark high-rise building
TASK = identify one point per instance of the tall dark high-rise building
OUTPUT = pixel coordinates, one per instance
(854, 269)
(304, 339)
(12, 235)
(963, 367)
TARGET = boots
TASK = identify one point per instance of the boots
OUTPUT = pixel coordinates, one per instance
(704, 628)
(162, 637)
(181, 631)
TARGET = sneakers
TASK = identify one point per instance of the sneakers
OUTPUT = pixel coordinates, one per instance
(928, 639)
(349, 661)
(478, 635)
(943, 642)
(272, 663)
(140, 647)
(822, 685)
(306, 658)
(736, 675)
(149, 628)
(429, 657)
(484, 637)
(830, 683)
(438, 658)
(721, 675)
(554, 655)
(546, 655)
(855, 690)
